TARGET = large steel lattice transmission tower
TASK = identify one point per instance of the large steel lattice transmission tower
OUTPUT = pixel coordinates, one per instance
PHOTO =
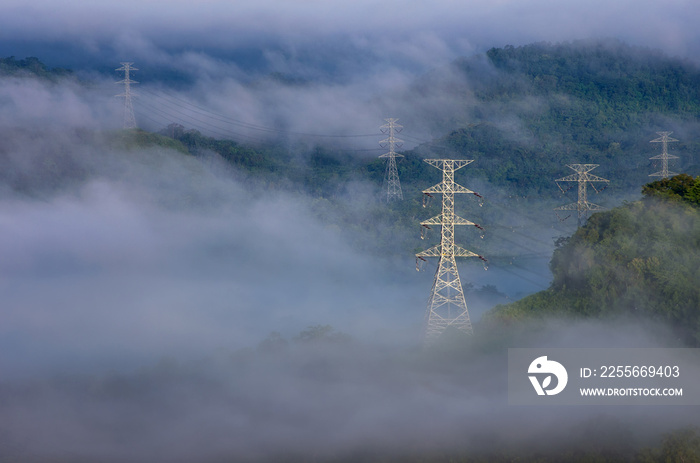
(391, 177)
(664, 139)
(446, 305)
(129, 119)
(583, 178)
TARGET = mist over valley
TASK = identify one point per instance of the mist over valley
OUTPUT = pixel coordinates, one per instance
(227, 281)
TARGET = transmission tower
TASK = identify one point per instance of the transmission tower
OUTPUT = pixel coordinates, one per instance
(129, 119)
(446, 305)
(582, 176)
(664, 139)
(391, 177)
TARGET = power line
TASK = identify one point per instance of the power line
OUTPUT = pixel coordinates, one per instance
(447, 305)
(664, 156)
(391, 177)
(223, 118)
(583, 178)
(129, 118)
(174, 113)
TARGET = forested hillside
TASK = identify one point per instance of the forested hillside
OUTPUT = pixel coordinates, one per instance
(639, 260)
(522, 113)
(180, 236)
(533, 109)
(30, 67)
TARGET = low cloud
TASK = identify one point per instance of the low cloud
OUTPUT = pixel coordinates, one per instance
(328, 399)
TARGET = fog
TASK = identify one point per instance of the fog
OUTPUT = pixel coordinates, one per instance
(355, 60)
(113, 257)
(143, 253)
(320, 399)
(412, 32)
(140, 287)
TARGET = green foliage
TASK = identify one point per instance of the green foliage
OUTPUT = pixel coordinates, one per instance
(238, 155)
(640, 259)
(320, 334)
(30, 67)
(541, 106)
(533, 109)
(133, 139)
(273, 343)
(603, 73)
(681, 187)
(682, 445)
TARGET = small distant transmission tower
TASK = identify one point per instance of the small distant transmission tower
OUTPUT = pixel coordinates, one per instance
(391, 178)
(583, 178)
(664, 156)
(446, 306)
(129, 119)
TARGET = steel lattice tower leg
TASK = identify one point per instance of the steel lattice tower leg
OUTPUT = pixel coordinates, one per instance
(391, 176)
(447, 305)
(129, 118)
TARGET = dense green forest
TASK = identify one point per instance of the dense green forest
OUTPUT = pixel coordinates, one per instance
(528, 111)
(639, 260)
(541, 106)
(523, 114)
(31, 66)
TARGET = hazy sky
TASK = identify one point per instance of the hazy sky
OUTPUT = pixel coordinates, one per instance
(352, 50)
(407, 32)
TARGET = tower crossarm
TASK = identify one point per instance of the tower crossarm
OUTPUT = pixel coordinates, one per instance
(391, 154)
(663, 174)
(436, 251)
(442, 219)
(664, 156)
(391, 141)
(594, 178)
(449, 188)
(582, 177)
(569, 178)
(587, 206)
(391, 126)
(664, 138)
(127, 68)
(456, 163)
(461, 252)
(583, 168)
